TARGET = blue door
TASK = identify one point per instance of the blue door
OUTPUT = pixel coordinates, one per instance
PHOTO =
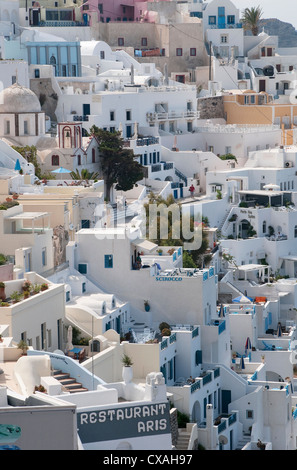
(226, 399)
(221, 17)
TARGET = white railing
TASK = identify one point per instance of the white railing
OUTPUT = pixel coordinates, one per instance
(233, 128)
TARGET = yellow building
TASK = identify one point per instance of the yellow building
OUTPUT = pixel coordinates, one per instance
(250, 108)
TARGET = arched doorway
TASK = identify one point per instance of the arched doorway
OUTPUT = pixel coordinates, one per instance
(196, 412)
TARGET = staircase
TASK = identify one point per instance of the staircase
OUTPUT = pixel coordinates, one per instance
(182, 439)
(245, 439)
(68, 383)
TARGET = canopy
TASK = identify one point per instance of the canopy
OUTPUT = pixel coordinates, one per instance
(143, 244)
(61, 170)
(242, 299)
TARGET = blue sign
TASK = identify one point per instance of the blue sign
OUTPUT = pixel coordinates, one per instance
(168, 278)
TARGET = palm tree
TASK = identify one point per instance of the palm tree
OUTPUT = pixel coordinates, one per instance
(84, 174)
(250, 19)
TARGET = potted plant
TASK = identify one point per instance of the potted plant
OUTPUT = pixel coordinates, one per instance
(15, 296)
(36, 289)
(39, 388)
(261, 445)
(159, 251)
(15, 196)
(166, 332)
(147, 306)
(1, 339)
(171, 251)
(44, 286)
(26, 294)
(2, 291)
(23, 346)
(127, 371)
(27, 286)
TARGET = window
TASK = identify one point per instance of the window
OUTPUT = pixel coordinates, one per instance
(193, 51)
(82, 268)
(93, 155)
(198, 357)
(112, 115)
(73, 70)
(68, 296)
(224, 39)
(55, 160)
(102, 55)
(85, 223)
(108, 261)
(43, 256)
(249, 414)
(7, 127)
(83, 287)
(230, 19)
(179, 51)
(295, 231)
(36, 73)
(26, 127)
(144, 42)
(128, 115)
(78, 160)
(100, 7)
(264, 227)
(121, 42)
(212, 20)
(189, 126)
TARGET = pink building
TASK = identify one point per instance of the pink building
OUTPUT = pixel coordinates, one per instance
(120, 10)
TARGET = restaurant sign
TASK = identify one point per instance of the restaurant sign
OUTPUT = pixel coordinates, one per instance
(118, 423)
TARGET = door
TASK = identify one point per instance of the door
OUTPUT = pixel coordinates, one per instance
(262, 85)
(86, 109)
(221, 17)
(226, 399)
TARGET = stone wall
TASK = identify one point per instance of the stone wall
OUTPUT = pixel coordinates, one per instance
(211, 108)
(174, 425)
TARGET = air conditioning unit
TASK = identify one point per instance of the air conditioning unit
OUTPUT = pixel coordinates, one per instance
(289, 164)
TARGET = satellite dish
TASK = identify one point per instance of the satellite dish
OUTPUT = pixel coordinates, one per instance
(223, 440)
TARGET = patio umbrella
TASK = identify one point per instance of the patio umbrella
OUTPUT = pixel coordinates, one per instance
(242, 299)
(61, 170)
(17, 165)
(279, 329)
(69, 344)
(221, 312)
(242, 363)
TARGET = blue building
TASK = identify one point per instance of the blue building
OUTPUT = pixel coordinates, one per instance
(65, 57)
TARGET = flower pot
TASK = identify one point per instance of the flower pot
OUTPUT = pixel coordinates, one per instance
(127, 374)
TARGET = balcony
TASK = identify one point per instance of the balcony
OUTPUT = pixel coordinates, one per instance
(225, 26)
(172, 116)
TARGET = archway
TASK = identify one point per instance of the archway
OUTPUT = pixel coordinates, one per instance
(196, 412)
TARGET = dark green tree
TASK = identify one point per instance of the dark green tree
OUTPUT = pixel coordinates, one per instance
(118, 164)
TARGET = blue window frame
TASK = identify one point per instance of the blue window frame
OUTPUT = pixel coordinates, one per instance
(231, 19)
(212, 20)
(108, 261)
(221, 11)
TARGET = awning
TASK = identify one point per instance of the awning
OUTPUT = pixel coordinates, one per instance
(146, 245)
